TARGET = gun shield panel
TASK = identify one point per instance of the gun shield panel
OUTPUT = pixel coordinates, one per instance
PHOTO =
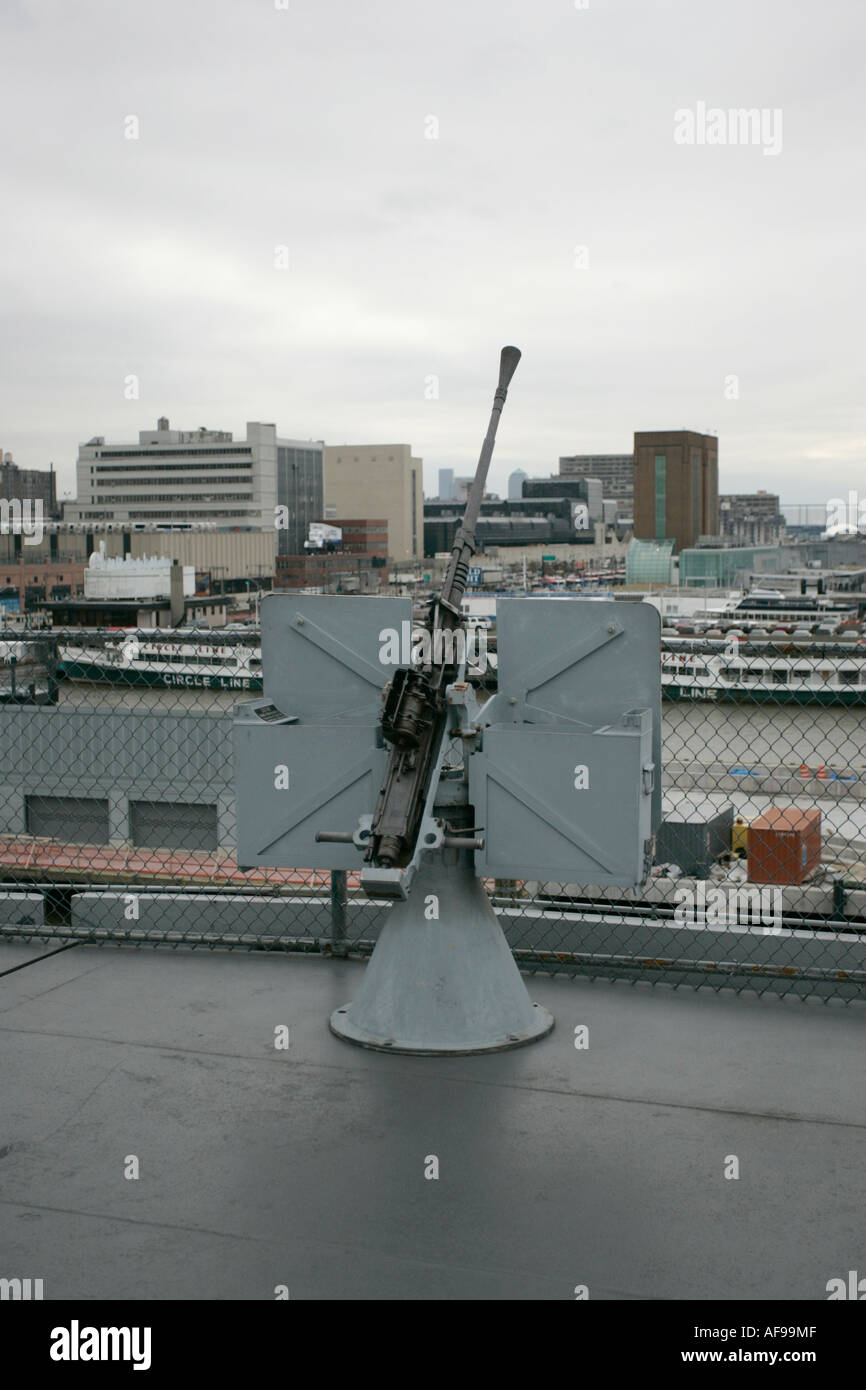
(322, 654)
(295, 779)
(572, 807)
(310, 755)
(568, 785)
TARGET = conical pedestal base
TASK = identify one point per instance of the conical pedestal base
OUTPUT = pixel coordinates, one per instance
(445, 985)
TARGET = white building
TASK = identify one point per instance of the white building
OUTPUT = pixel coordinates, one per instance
(146, 577)
(183, 478)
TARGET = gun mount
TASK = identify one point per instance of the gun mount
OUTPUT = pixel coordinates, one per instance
(363, 760)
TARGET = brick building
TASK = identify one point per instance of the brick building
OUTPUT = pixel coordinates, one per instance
(360, 565)
(676, 486)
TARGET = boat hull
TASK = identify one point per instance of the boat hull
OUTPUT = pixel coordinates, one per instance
(129, 678)
(716, 695)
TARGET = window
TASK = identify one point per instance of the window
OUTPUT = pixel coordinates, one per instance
(146, 458)
(660, 496)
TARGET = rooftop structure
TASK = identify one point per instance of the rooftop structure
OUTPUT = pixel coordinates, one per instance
(128, 578)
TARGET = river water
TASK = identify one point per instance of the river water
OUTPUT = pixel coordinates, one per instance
(693, 731)
(729, 738)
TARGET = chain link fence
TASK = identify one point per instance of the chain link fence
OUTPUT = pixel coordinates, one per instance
(117, 819)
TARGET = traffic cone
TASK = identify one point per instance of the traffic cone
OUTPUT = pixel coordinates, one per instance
(822, 773)
(804, 771)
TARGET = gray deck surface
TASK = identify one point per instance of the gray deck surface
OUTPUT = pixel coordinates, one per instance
(558, 1167)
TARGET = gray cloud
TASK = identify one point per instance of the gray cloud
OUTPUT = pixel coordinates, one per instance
(411, 257)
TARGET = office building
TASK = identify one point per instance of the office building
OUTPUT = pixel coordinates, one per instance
(379, 480)
(587, 490)
(300, 492)
(521, 521)
(751, 518)
(615, 472)
(676, 486)
(28, 485)
(183, 478)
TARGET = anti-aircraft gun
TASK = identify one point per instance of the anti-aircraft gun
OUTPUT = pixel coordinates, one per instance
(415, 713)
(358, 761)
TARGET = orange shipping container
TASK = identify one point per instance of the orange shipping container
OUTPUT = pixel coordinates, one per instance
(784, 845)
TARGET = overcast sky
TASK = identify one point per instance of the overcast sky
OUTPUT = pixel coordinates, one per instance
(411, 258)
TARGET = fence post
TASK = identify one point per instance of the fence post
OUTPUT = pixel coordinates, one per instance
(339, 899)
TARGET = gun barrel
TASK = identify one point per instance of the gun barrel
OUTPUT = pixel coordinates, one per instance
(464, 542)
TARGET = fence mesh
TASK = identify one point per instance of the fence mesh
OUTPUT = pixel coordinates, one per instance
(117, 819)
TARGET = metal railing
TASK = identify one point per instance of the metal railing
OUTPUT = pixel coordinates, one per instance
(117, 825)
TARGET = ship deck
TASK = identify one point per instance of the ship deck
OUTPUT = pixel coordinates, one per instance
(305, 1167)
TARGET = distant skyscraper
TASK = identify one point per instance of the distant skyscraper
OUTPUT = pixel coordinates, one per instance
(446, 484)
(462, 488)
(515, 484)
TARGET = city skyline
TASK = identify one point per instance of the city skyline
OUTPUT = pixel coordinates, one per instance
(498, 482)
